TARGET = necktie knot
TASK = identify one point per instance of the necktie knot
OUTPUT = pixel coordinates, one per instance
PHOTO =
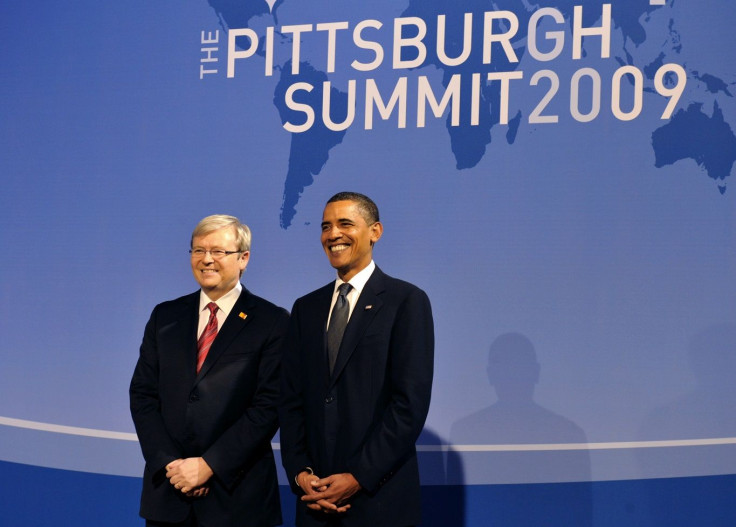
(212, 307)
(344, 289)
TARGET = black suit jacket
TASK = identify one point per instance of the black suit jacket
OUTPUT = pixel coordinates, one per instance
(366, 417)
(225, 414)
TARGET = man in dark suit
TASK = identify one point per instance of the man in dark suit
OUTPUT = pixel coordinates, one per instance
(351, 412)
(204, 392)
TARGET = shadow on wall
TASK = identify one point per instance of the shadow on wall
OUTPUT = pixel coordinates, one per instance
(517, 419)
(707, 411)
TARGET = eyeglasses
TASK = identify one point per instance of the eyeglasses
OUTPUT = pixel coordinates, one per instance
(216, 254)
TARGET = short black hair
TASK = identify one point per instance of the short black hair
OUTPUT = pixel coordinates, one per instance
(368, 209)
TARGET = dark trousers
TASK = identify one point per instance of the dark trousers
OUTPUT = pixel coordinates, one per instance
(191, 521)
(335, 522)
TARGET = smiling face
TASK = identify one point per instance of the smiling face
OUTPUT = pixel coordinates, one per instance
(347, 238)
(217, 277)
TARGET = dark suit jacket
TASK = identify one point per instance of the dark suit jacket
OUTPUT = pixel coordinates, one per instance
(367, 416)
(226, 413)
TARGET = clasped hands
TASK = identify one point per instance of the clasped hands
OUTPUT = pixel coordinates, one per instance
(190, 476)
(330, 494)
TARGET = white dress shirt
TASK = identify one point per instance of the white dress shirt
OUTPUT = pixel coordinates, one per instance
(358, 282)
(225, 304)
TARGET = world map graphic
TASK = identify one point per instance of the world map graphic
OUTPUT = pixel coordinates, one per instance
(698, 130)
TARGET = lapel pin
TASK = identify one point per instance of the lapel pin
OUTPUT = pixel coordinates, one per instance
(369, 306)
(242, 315)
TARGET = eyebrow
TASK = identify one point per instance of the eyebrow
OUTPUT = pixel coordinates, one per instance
(339, 220)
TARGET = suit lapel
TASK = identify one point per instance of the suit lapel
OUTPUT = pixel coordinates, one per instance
(240, 316)
(184, 335)
(368, 305)
(318, 319)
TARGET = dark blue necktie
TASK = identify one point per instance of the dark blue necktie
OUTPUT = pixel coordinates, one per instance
(338, 321)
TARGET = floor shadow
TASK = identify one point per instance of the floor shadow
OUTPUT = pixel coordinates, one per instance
(443, 504)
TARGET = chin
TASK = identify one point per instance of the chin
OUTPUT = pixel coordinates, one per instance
(338, 265)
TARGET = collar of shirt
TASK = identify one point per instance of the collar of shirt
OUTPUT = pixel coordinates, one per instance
(225, 304)
(358, 282)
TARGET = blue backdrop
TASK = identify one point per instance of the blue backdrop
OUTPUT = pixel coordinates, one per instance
(555, 176)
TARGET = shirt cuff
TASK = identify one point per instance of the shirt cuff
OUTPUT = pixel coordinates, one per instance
(305, 469)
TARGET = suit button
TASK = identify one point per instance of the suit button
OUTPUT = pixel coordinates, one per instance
(193, 397)
(329, 399)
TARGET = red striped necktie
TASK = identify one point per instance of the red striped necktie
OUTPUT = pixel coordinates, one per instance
(207, 337)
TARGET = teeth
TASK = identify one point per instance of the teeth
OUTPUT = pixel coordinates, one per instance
(338, 248)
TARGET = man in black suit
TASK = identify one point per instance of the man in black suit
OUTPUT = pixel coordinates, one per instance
(204, 392)
(351, 413)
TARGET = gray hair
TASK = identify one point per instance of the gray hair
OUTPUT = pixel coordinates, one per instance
(219, 221)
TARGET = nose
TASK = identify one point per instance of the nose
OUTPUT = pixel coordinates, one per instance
(333, 233)
(207, 258)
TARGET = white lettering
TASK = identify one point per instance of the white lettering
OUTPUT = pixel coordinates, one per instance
(375, 47)
(373, 97)
(327, 106)
(415, 42)
(558, 37)
(233, 54)
(504, 38)
(296, 43)
(299, 107)
(467, 41)
(504, 77)
(332, 29)
(595, 103)
(578, 32)
(425, 94)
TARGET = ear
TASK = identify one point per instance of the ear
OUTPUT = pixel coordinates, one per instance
(376, 231)
(491, 375)
(243, 261)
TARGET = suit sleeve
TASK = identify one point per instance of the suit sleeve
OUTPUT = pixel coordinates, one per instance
(246, 438)
(157, 446)
(294, 453)
(411, 366)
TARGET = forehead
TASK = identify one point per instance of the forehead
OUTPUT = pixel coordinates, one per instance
(342, 210)
(216, 237)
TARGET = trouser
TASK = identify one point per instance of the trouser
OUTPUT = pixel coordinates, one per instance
(191, 521)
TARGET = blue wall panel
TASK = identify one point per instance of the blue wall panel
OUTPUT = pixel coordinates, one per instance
(569, 211)
(40, 497)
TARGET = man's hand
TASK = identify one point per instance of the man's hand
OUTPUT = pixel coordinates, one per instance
(306, 482)
(335, 490)
(199, 492)
(188, 474)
